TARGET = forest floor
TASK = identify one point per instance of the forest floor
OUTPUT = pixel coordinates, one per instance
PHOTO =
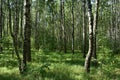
(47, 65)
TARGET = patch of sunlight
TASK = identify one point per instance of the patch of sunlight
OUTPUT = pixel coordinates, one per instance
(117, 71)
(41, 51)
(118, 57)
(68, 59)
(78, 71)
(7, 70)
(35, 64)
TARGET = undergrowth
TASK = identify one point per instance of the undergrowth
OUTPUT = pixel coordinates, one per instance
(47, 65)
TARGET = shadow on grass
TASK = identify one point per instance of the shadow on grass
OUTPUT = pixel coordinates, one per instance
(58, 75)
(65, 59)
(75, 62)
(8, 63)
(8, 77)
(112, 75)
(51, 72)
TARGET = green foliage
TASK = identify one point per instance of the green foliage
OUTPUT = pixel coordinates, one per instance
(60, 66)
(47, 65)
(6, 42)
(61, 72)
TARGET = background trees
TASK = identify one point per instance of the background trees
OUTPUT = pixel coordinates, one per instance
(64, 26)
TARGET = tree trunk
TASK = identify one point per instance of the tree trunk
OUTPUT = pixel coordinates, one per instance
(73, 26)
(22, 11)
(53, 29)
(90, 51)
(84, 29)
(60, 28)
(27, 35)
(63, 26)
(1, 26)
(95, 28)
(14, 33)
(36, 28)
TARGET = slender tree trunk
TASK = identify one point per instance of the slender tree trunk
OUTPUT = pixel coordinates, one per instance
(115, 46)
(84, 29)
(112, 26)
(10, 18)
(1, 24)
(36, 31)
(27, 35)
(22, 11)
(36, 25)
(7, 28)
(62, 27)
(90, 51)
(14, 32)
(53, 30)
(36, 28)
(95, 29)
(60, 32)
(73, 26)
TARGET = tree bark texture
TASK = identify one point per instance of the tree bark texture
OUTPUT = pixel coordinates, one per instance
(95, 28)
(90, 51)
(27, 34)
(84, 28)
(73, 26)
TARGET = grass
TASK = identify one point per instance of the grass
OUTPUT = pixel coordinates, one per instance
(47, 65)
